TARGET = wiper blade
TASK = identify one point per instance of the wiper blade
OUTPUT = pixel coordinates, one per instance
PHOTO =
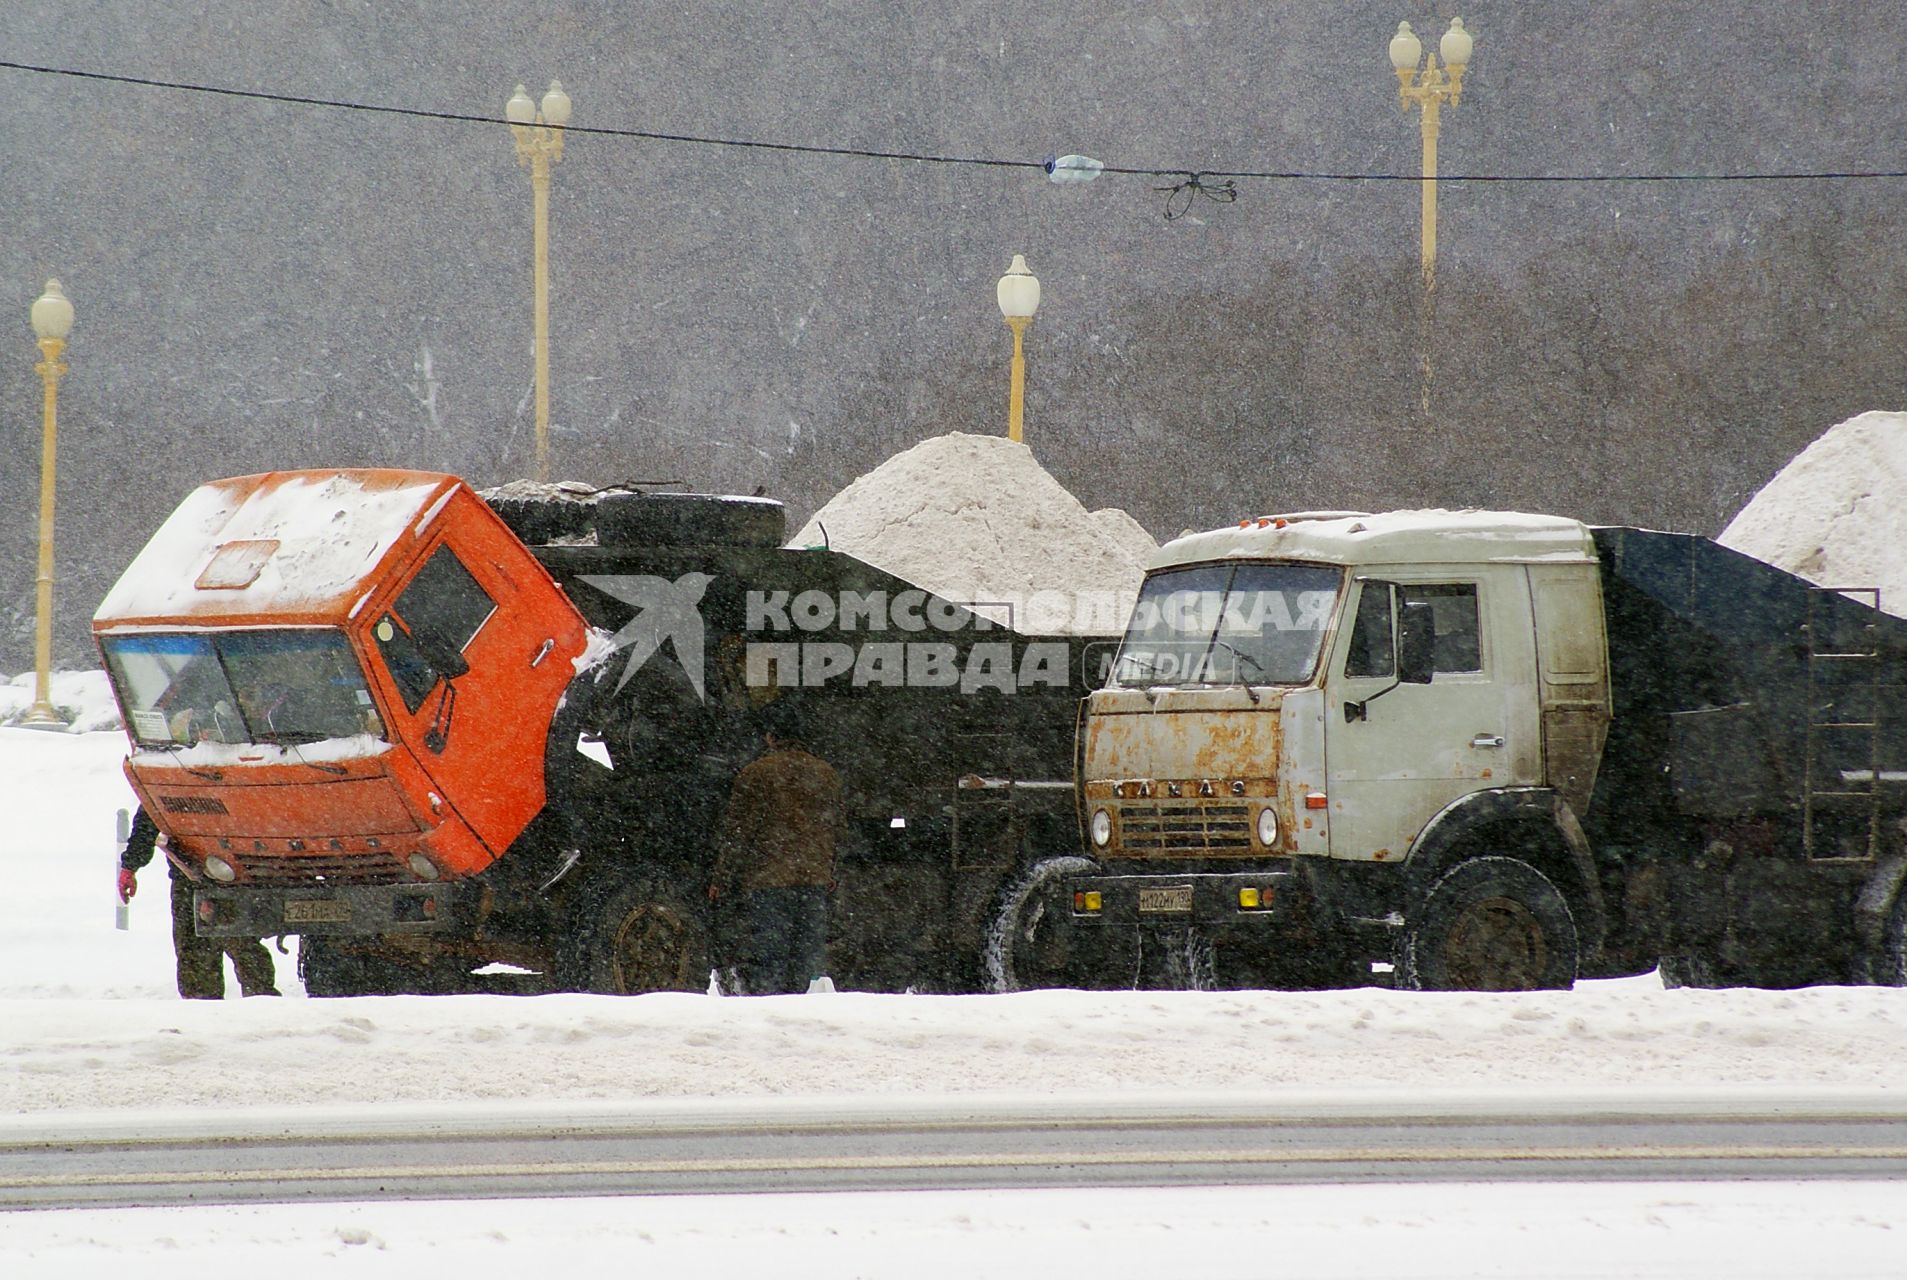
(210, 775)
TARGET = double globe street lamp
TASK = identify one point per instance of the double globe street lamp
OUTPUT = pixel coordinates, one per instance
(539, 144)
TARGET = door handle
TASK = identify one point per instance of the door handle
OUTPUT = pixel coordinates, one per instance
(542, 653)
(1487, 740)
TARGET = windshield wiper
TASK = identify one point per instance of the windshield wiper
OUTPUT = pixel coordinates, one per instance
(210, 775)
(1236, 652)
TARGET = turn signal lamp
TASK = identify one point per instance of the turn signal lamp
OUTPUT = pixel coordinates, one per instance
(1249, 899)
(1087, 900)
(1316, 801)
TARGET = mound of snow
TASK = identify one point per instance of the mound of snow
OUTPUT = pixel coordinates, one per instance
(1837, 514)
(977, 520)
(84, 699)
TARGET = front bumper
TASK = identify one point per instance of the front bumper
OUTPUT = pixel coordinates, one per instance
(1202, 898)
(330, 911)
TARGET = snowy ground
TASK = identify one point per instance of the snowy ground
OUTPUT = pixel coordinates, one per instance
(90, 1028)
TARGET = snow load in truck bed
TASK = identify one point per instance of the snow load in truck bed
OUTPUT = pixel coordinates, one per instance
(977, 520)
(283, 546)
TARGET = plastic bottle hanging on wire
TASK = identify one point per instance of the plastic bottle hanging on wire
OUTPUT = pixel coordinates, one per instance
(1072, 168)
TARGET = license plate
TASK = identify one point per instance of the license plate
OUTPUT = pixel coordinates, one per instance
(1177, 898)
(316, 911)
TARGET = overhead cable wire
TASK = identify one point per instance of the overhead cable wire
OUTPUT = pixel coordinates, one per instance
(1193, 181)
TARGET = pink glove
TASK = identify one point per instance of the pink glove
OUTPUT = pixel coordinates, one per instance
(128, 884)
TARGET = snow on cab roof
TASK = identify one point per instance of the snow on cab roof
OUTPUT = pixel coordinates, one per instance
(1392, 537)
(282, 546)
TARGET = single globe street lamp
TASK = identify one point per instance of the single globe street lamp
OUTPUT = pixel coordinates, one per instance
(1019, 296)
(52, 318)
(539, 144)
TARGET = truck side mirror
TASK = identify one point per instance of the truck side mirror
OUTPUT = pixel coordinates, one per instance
(1416, 642)
(447, 661)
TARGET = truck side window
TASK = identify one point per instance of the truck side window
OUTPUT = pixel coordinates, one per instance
(444, 606)
(443, 603)
(1459, 646)
(1371, 652)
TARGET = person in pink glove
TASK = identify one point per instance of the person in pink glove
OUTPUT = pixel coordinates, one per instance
(201, 960)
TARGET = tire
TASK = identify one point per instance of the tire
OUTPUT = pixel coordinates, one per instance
(545, 516)
(1889, 968)
(1695, 972)
(1033, 941)
(330, 969)
(1181, 960)
(1490, 924)
(688, 520)
(635, 937)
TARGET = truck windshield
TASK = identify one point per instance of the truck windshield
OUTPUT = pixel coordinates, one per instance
(280, 686)
(1227, 624)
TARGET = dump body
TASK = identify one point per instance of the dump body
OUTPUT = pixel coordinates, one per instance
(1758, 756)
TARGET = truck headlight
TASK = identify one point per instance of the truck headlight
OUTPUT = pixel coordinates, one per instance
(422, 867)
(1267, 827)
(1102, 828)
(219, 869)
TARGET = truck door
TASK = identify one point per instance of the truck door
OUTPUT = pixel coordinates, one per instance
(1414, 748)
(478, 732)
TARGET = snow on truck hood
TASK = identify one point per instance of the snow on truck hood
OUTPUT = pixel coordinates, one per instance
(286, 545)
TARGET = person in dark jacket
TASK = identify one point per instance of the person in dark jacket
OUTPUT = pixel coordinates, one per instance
(201, 960)
(777, 854)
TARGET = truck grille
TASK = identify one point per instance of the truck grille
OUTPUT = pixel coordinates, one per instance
(1193, 828)
(357, 868)
(193, 804)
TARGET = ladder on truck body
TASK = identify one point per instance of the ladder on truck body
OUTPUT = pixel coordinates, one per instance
(1841, 783)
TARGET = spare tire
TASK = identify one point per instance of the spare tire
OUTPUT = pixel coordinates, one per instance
(689, 520)
(542, 514)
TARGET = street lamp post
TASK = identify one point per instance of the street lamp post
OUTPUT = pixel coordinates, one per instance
(52, 317)
(1427, 90)
(539, 144)
(1019, 296)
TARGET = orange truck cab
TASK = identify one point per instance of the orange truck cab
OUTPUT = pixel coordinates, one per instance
(338, 686)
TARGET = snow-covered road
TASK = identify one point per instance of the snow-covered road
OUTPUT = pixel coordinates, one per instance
(89, 1024)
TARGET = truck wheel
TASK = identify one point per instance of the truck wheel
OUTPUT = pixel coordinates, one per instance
(1033, 941)
(1698, 972)
(639, 937)
(1490, 924)
(1889, 969)
(329, 969)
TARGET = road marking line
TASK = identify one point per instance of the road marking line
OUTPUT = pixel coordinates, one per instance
(1099, 1159)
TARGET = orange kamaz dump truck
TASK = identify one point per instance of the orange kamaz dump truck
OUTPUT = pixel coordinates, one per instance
(364, 710)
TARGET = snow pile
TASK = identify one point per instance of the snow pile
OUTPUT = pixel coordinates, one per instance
(1837, 514)
(977, 520)
(83, 698)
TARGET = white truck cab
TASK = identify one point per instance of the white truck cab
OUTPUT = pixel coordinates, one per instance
(1314, 718)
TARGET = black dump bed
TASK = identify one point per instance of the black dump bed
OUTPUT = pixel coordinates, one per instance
(1742, 691)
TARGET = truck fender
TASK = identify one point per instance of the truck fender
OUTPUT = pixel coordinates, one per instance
(1432, 853)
